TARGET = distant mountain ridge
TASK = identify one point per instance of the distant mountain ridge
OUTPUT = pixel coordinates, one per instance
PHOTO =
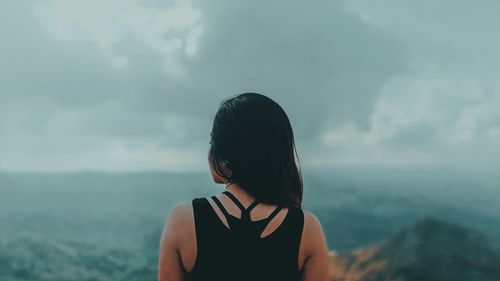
(430, 250)
(106, 226)
(40, 258)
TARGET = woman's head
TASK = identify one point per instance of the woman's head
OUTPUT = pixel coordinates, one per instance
(252, 144)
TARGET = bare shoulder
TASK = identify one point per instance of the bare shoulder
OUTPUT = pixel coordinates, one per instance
(178, 221)
(181, 210)
(313, 231)
(311, 221)
(313, 255)
(176, 247)
(313, 237)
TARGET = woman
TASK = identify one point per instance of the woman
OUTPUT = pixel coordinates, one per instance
(255, 229)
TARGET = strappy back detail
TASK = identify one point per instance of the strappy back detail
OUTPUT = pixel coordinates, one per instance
(238, 203)
(245, 212)
(221, 207)
(240, 249)
(273, 214)
(245, 221)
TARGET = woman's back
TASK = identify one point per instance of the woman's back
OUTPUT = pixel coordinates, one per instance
(239, 252)
(233, 236)
(208, 239)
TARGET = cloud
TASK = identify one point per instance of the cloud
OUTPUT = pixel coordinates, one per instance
(441, 108)
(135, 84)
(167, 30)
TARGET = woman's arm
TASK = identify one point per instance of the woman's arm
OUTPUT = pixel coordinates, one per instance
(317, 263)
(170, 266)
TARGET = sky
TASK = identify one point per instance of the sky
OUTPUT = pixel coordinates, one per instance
(124, 85)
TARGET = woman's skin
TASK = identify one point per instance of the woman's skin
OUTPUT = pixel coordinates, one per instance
(178, 241)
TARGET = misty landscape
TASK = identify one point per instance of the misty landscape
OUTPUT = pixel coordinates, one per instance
(106, 108)
(106, 226)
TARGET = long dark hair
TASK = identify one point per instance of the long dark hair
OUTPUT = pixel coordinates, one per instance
(253, 138)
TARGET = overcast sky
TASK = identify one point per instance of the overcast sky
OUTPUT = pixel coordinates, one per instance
(134, 85)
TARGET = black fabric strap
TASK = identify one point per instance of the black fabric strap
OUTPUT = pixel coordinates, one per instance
(235, 200)
(273, 214)
(245, 212)
(253, 205)
(264, 223)
(221, 207)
